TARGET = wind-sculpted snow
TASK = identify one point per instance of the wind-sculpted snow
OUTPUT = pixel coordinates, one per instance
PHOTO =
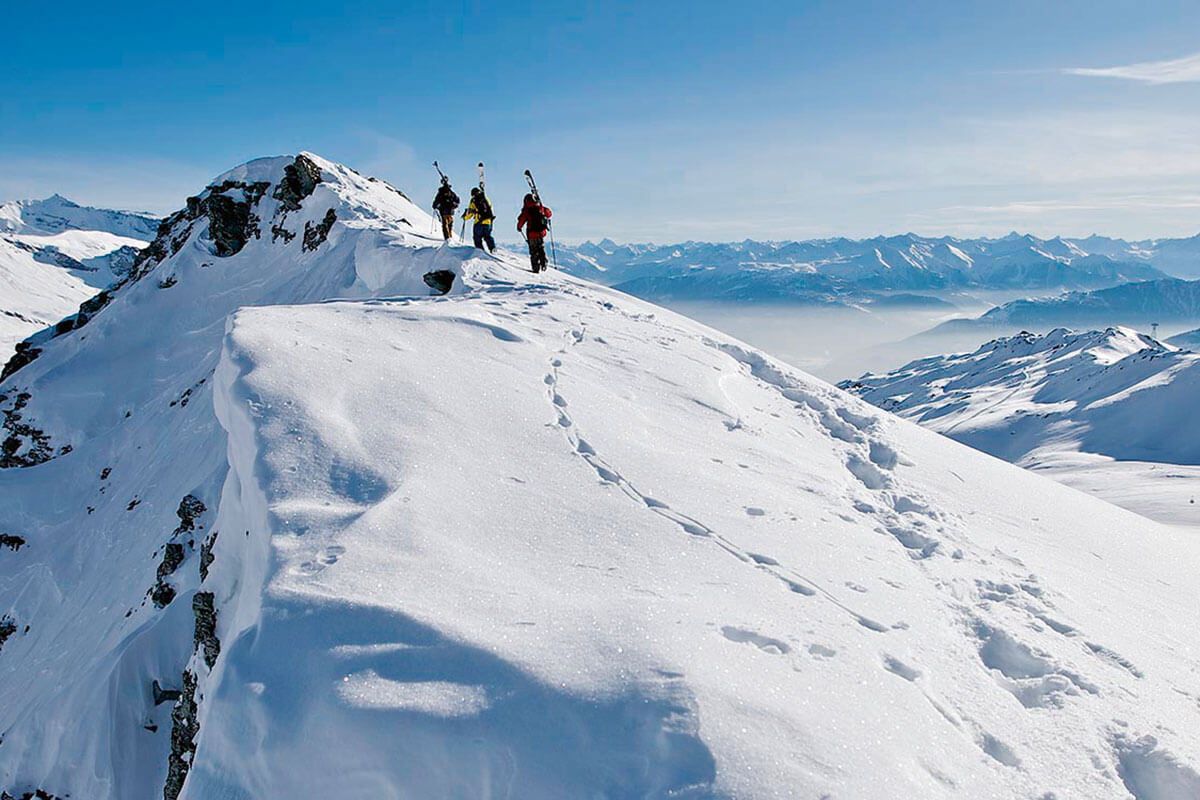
(537, 539)
(1106, 411)
(486, 508)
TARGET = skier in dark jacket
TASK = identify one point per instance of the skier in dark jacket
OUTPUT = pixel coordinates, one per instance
(538, 218)
(444, 204)
(480, 210)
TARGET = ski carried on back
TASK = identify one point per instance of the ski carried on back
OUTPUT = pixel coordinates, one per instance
(538, 212)
(533, 187)
(481, 176)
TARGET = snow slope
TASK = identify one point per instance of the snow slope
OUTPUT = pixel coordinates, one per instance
(1109, 412)
(537, 539)
(55, 254)
(1187, 339)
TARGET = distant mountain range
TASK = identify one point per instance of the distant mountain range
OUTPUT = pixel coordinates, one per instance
(55, 254)
(56, 214)
(1139, 304)
(843, 271)
(1105, 411)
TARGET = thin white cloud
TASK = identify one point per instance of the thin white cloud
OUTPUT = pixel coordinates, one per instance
(1178, 70)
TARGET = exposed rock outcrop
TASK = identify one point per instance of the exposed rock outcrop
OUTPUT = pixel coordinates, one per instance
(190, 509)
(163, 593)
(314, 235)
(11, 542)
(299, 179)
(439, 280)
(162, 695)
(184, 727)
(25, 354)
(8, 626)
(23, 445)
(206, 555)
(205, 637)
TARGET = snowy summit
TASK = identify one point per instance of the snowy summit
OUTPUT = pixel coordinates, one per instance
(280, 522)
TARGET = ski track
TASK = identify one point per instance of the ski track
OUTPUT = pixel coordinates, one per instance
(1031, 675)
(608, 473)
(1012, 601)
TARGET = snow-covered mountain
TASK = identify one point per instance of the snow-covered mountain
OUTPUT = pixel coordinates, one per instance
(1188, 339)
(56, 214)
(840, 271)
(1169, 302)
(1110, 412)
(281, 522)
(55, 255)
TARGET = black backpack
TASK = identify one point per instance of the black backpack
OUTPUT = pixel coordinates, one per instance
(483, 208)
(537, 220)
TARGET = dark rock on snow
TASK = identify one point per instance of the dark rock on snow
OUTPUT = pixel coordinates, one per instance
(162, 695)
(12, 542)
(439, 280)
(205, 636)
(184, 727)
(314, 235)
(163, 592)
(299, 179)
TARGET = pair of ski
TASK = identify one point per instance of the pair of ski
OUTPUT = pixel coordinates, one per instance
(442, 175)
(528, 177)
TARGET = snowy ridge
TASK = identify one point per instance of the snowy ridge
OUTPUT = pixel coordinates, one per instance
(46, 276)
(1106, 411)
(57, 214)
(1140, 304)
(534, 539)
(1187, 339)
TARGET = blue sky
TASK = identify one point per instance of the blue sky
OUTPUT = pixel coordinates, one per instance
(643, 121)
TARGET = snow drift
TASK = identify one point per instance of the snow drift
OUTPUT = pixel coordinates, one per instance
(293, 527)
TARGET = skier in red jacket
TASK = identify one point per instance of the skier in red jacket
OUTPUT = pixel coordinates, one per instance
(538, 218)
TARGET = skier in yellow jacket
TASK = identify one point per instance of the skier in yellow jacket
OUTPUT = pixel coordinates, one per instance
(480, 210)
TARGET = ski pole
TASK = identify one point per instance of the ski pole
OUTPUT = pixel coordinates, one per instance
(553, 254)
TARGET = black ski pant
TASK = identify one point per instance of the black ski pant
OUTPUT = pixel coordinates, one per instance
(448, 225)
(483, 234)
(537, 253)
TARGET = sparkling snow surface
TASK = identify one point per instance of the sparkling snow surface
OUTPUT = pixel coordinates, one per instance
(537, 539)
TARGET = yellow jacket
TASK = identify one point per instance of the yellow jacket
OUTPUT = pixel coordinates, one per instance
(473, 212)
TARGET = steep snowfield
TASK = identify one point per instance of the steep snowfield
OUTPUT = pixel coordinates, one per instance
(536, 539)
(1109, 412)
(54, 255)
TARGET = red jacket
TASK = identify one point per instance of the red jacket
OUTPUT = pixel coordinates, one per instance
(537, 223)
